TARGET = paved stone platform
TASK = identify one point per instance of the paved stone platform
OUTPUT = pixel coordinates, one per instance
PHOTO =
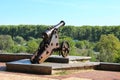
(68, 59)
(74, 62)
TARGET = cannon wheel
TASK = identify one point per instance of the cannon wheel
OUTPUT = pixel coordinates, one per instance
(64, 49)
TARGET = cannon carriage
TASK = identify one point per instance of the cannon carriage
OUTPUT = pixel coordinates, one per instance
(50, 44)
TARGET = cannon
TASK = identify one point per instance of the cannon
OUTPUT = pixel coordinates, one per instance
(50, 44)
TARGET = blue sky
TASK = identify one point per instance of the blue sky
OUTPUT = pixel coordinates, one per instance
(49, 12)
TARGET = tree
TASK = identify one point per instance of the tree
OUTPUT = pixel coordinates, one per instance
(32, 46)
(68, 31)
(17, 49)
(19, 40)
(80, 44)
(109, 47)
(84, 44)
(90, 33)
(6, 42)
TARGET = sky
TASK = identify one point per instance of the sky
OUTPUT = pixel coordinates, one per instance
(50, 12)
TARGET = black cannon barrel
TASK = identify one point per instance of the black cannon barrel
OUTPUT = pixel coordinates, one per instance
(48, 32)
(62, 23)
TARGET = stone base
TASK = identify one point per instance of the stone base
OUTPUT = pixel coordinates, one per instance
(69, 59)
(25, 65)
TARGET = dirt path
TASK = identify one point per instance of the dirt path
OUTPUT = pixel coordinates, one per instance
(81, 75)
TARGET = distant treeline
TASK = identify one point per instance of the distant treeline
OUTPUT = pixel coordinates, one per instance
(90, 33)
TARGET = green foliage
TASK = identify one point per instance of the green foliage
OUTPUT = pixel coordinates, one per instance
(17, 49)
(24, 31)
(6, 42)
(84, 44)
(19, 40)
(31, 46)
(37, 40)
(90, 33)
(80, 44)
(117, 59)
(89, 53)
(85, 48)
(108, 47)
(68, 31)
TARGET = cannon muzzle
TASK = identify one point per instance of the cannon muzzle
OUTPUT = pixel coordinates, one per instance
(48, 32)
(62, 23)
